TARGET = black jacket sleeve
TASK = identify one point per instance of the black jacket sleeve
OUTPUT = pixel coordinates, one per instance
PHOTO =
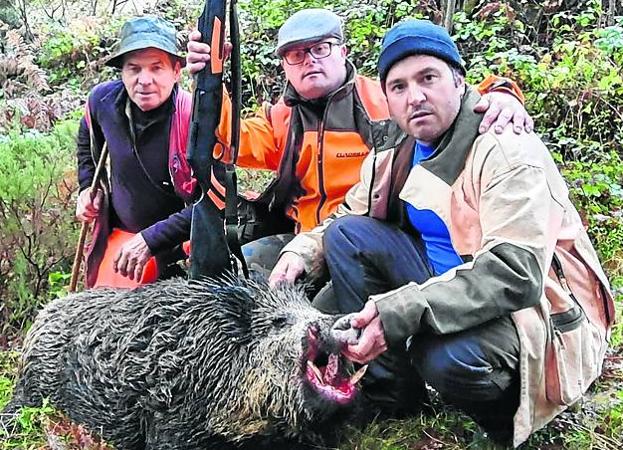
(169, 232)
(86, 165)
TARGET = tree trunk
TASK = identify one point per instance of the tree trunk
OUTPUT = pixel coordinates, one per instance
(611, 12)
(448, 13)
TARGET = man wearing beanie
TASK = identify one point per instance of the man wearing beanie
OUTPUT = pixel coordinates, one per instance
(317, 135)
(463, 254)
(140, 209)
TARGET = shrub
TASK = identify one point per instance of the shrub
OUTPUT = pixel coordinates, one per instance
(74, 55)
(573, 85)
(36, 226)
(572, 80)
(596, 187)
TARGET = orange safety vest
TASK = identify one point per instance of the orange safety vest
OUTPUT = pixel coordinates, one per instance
(316, 160)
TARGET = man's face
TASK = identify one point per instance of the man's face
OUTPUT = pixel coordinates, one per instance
(315, 77)
(424, 96)
(149, 76)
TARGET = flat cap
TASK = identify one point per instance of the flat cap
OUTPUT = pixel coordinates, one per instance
(309, 25)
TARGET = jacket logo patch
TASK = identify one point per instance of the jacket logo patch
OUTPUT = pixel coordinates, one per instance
(350, 154)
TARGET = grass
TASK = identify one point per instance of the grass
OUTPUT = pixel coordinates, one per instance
(441, 428)
(37, 428)
(25, 431)
(596, 425)
(8, 370)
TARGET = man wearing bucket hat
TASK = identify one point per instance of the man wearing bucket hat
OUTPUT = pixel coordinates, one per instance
(143, 119)
(319, 132)
(463, 253)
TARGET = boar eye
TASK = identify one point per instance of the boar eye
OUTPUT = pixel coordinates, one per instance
(280, 321)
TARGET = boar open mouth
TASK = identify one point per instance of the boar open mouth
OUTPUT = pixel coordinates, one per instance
(327, 372)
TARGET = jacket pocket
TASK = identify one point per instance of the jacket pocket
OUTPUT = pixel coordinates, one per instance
(573, 351)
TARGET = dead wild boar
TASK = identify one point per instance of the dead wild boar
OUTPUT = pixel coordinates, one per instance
(191, 365)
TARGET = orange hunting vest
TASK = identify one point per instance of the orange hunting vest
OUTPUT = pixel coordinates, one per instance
(316, 159)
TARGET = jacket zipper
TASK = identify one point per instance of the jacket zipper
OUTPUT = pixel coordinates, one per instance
(573, 318)
(321, 189)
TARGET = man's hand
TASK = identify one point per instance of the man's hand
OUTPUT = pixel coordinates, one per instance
(372, 340)
(199, 52)
(501, 108)
(87, 210)
(289, 267)
(132, 258)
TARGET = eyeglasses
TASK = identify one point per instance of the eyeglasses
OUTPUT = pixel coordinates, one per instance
(318, 51)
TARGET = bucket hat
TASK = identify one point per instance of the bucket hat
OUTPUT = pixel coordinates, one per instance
(145, 32)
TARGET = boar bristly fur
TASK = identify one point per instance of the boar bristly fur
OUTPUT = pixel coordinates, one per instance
(187, 365)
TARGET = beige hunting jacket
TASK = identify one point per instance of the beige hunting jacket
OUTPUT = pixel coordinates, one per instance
(510, 218)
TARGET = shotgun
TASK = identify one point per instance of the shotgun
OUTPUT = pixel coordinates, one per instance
(212, 245)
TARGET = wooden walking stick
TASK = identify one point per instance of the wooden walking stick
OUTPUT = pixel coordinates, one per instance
(75, 270)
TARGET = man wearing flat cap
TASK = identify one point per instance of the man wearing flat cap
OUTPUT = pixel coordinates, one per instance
(319, 132)
(461, 254)
(141, 204)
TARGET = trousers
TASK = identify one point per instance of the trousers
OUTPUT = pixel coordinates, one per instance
(475, 370)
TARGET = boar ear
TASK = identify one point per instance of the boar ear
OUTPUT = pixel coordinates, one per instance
(234, 310)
